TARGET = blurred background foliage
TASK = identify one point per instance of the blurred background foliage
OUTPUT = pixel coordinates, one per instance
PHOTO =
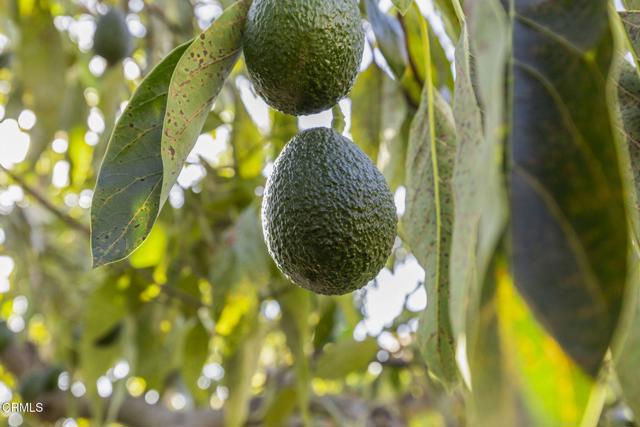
(198, 324)
(198, 320)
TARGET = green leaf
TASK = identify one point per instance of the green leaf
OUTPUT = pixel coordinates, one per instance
(252, 259)
(247, 142)
(195, 353)
(478, 188)
(569, 232)
(346, 356)
(538, 364)
(428, 221)
(366, 110)
(631, 23)
(153, 250)
(296, 308)
(239, 368)
(126, 198)
(492, 401)
(42, 69)
(626, 352)
(389, 37)
(281, 408)
(402, 5)
(631, 4)
(378, 110)
(195, 84)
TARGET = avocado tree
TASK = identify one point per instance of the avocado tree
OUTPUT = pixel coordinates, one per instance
(219, 213)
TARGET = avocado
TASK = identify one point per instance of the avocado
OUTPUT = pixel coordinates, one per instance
(328, 215)
(303, 55)
(112, 39)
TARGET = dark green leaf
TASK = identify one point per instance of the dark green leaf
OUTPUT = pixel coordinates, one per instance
(569, 231)
(428, 223)
(195, 84)
(127, 199)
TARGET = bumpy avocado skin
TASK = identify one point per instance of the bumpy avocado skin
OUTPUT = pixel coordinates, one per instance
(303, 55)
(112, 39)
(328, 216)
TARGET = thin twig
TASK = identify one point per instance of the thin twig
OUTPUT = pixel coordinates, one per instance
(72, 222)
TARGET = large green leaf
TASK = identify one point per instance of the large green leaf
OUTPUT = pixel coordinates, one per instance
(427, 222)
(195, 84)
(626, 352)
(569, 232)
(127, 199)
(478, 188)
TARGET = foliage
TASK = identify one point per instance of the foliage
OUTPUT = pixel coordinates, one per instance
(520, 186)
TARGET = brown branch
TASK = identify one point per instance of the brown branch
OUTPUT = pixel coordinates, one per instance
(21, 359)
(70, 221)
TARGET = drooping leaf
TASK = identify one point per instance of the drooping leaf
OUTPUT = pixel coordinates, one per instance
(126, 198)
(366, 107)
(478, 188)
(389, 37)
(247, 143)
(440, 65)
(626, 350)
(449, 17)
(239, 368)
(344, 357)
(402, 5)
(428, 223)
(378, 110)
(195, 84)
(296, 308)
(42, 69)
(569, 231)
(196, 350)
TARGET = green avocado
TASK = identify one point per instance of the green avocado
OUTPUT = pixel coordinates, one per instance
(328, 216)
(303, 55)
(112, 39)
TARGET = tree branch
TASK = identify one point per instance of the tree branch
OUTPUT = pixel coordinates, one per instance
(70, 221)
